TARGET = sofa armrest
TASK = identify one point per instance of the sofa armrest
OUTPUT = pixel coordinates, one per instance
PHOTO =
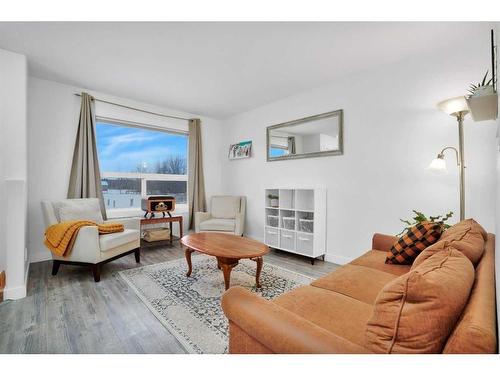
(200, 217)
(239, 224)
(383, 242)
(128, 222)
(278, 329)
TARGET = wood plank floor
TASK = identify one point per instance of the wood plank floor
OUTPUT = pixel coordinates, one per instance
(69, 313)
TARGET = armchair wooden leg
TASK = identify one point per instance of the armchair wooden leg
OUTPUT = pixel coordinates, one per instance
(55, 267)
(137, 254)
(96, 271)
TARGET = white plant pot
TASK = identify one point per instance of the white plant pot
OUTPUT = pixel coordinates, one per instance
(483, 91)
(274, 202)
(483, 108)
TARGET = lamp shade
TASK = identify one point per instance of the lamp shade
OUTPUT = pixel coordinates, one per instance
(438, 164)
(454, 105)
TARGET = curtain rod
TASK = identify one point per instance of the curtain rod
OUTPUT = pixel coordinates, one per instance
(138, 109)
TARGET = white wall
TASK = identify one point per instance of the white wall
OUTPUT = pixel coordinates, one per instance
(53, 120)
(497, 205)
(13, 172)
(392, 130)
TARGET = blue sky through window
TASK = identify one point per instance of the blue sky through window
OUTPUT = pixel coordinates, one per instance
(127, 149)
(274, 152)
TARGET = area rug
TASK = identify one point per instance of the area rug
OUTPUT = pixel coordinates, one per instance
(189, 307)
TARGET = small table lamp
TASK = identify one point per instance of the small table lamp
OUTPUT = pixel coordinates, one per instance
(456, 107)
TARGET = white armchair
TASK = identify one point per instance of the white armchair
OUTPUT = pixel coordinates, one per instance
(91, 249)
(227, 215)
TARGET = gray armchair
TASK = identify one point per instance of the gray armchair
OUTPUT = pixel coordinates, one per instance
(226, 215)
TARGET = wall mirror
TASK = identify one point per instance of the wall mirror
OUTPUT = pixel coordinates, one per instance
(313, 136)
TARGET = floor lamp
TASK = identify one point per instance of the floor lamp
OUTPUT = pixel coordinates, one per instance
(458, 108)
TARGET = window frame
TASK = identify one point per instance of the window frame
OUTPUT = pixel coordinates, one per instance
(145, 177)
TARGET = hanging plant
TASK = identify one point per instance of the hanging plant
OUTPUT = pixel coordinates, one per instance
(485, 87)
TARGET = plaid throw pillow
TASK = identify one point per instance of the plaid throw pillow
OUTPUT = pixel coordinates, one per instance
(406, 249)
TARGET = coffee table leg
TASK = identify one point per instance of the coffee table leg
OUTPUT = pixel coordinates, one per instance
(188, 259)
(227, 265)
(259, 262)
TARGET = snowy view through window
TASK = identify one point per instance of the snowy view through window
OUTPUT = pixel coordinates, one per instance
(138, 162)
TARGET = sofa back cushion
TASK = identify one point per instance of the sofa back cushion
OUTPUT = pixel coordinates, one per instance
(416, 312)
(468, 237)
(407, 248)
(79, 209)
(225, 207)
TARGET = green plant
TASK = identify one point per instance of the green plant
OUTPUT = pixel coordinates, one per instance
(272, 196)
(474, 87)
(420, 217)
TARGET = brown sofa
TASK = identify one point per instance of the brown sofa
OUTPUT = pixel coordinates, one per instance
(331, 315)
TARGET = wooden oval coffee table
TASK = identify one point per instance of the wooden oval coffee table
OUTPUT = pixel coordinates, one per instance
(228, 249)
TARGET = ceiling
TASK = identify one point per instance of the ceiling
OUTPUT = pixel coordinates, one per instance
(219, 69)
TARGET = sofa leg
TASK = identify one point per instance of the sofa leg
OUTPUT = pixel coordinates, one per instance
(96, 271)
(55, 267)
(137, 254)
(312, 261)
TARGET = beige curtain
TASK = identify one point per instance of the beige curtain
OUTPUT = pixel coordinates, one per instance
(196, 181)
(85, 178)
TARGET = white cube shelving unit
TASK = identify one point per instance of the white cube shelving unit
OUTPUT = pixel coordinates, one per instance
(298, 223)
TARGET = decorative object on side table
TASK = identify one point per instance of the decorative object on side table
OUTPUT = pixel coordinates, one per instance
(156, 204)
(240, 150)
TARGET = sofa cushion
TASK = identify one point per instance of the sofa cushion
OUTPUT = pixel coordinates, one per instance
(416, 312)
(342, 315)
(223, 225)
(225, 207)
(80, 209)
(376, 259)
(468, 237)
(357, 282)
(420, 236)
(112, 240)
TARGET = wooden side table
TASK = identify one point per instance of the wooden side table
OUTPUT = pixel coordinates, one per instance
(169, 220)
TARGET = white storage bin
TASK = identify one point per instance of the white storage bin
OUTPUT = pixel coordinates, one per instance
(272, 237)
(289, 223)
(273, 220)
(287, 240)
(305, 243)
(306, 225)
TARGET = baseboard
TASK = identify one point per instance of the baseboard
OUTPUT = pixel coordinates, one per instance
(39, 256)
(19, 291)
(338, 259)
(253, 237)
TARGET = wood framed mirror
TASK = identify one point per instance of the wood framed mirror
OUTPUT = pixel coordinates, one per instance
(314, 136)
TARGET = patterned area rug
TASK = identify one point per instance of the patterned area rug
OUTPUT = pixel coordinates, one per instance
(189, 307)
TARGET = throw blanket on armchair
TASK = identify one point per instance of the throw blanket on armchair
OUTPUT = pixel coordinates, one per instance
(59, 238)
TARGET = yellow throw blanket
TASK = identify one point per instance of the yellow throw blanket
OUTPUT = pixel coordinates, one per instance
(60, 238)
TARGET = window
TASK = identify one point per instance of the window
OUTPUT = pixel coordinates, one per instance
(277, 151)
(136, 162)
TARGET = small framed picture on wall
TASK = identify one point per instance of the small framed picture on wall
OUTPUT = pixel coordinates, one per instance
(240, 150)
